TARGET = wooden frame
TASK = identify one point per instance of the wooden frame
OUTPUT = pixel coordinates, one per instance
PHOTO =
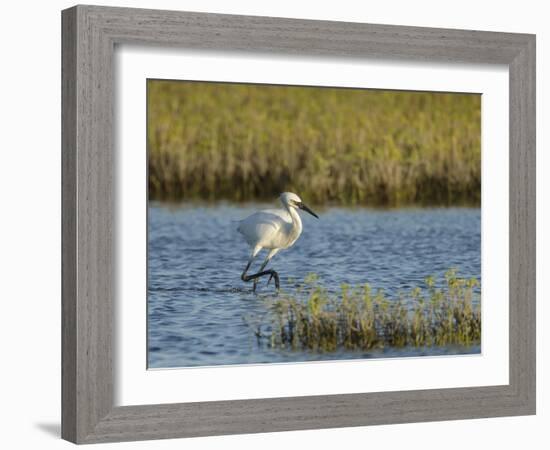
(89, 37)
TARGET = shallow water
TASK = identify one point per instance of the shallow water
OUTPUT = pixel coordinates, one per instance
(197, 303)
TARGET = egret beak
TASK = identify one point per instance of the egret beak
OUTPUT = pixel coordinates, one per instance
(306, 208)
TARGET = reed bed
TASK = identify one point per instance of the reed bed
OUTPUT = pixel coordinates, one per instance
(243, 142)
(359, 319)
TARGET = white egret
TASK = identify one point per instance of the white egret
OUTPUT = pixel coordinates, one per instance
(274, 230)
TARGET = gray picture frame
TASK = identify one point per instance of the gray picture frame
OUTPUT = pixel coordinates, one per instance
(89, 36)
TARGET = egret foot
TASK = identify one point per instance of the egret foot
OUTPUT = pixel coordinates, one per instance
(255, 276)
(275, 276)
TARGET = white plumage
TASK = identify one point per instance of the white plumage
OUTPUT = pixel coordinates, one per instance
(272, 229)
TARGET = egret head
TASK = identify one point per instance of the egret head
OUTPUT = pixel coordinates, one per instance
(291, 200)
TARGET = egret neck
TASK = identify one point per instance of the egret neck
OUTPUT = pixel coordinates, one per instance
(296, 227)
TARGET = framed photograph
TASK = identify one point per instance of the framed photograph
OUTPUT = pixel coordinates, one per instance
(278, 224)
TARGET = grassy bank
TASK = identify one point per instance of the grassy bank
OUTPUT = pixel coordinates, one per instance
(360, 319)
(213, 141)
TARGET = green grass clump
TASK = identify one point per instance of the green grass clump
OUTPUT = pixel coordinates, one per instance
(359, 319)
(245, 142)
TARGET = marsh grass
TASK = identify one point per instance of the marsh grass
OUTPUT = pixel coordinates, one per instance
(245, 142)
(359, 319)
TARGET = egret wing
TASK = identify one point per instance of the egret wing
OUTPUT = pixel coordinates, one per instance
(265, 228)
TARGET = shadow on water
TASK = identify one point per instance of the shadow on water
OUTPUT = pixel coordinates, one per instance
(231, 290)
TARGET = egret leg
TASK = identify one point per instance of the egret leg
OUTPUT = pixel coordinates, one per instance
(270, 255)
(270, 272)
(254, 277)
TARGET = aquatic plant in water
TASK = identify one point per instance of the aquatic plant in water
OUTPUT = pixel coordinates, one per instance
(356, 318)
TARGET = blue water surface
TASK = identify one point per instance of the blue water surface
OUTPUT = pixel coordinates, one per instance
(199, 310)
